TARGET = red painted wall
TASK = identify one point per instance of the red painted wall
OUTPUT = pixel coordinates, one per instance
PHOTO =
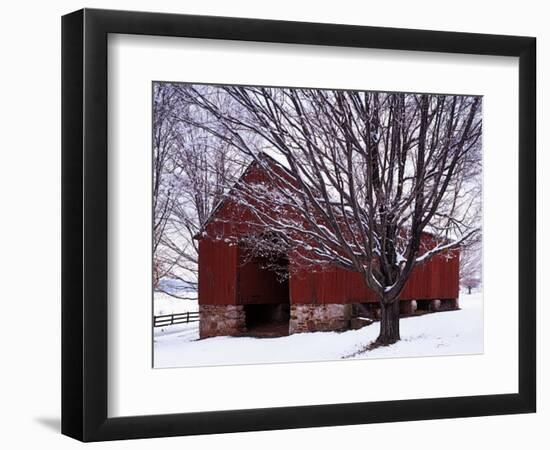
(436, 279)
(217, 273)
(225, 281)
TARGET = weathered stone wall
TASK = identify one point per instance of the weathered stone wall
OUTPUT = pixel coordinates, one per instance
(311, 317)
(221, 320)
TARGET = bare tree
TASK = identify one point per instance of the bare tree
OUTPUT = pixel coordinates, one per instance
(164, 145)
(192, 170)
(360, 177)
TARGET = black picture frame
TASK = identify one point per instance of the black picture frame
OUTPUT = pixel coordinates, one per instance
(84, 224)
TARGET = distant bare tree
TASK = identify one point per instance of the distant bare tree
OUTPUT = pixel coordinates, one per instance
(470, 267)
(361, 176)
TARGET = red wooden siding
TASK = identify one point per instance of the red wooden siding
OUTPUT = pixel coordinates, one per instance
(436, 279)
(217, 273)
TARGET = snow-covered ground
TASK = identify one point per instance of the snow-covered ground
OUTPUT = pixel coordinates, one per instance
(444, 333)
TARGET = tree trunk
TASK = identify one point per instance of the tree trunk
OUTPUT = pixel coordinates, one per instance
(389, 323)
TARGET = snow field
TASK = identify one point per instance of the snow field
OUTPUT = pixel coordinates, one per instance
(444, 333)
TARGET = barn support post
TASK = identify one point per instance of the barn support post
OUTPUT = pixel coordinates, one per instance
(435, 305)
(449, 304)
(407, 307)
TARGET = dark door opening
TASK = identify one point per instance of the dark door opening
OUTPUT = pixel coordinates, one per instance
(267, 320)
(264, 292)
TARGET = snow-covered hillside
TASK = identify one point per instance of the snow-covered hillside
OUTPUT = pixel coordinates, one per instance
(444, 333)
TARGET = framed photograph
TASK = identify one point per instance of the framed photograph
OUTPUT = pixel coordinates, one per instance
(273, 224)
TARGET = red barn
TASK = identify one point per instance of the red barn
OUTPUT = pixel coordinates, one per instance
(239, 294)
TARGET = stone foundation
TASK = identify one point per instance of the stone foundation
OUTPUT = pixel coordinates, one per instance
(230, 320)
(311, 317)
(221, 320)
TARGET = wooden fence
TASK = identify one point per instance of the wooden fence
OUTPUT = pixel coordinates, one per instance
(175, 319)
